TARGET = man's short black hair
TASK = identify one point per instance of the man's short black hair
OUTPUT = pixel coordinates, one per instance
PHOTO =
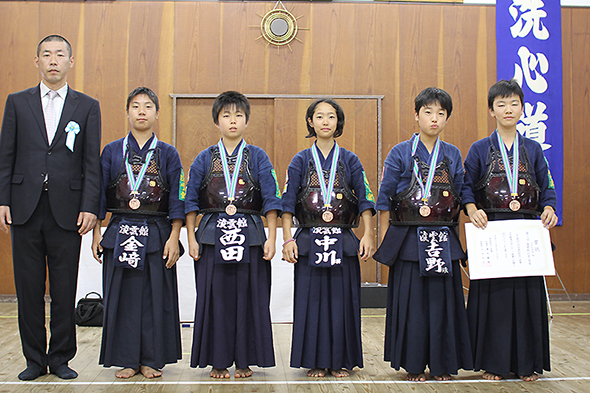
(430, 95)
(143, 90)
(227, 100)
(54, 37)
(339, 116)
(504, 88)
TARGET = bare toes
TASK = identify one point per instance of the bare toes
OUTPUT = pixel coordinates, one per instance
(340, 373)
(529, 378)
(219, 373)
(149, 372)
(491, 376)
(416, 377)
(443, 377)
(243, 372)
(126, 373)
(316, 372)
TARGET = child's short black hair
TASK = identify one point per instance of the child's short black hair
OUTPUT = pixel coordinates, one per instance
(430, 95)
(228, 99)
(504, 88)
(143, 90)
(339, 116)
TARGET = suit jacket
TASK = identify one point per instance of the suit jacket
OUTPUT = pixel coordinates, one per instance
(26, 157)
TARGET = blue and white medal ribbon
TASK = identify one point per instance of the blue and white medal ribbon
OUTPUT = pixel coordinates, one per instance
(231, 182)
(425, 187)
(511, 173)
(134, 182)
(326, 189)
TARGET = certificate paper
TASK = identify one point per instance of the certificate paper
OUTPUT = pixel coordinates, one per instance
(509, 248)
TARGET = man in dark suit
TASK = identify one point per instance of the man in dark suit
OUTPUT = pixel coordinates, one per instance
(49, 195)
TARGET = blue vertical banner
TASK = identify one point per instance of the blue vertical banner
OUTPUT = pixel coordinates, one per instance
(528, 41)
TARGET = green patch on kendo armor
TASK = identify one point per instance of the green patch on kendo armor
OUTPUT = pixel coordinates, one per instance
(368, 191)
(278, 189)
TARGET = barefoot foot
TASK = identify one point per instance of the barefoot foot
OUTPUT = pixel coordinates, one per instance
(443, 377)
(416, 377)
(339, 373)
(243, 372)
(219, 373)
(491, 376)
(149, 372)
(126, 373)
(529, 378)
(317, 372)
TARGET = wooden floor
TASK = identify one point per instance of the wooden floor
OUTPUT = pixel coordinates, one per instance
(570, 358)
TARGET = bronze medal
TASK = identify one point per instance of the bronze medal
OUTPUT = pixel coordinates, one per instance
(134, 203)
(514, 205)
(231, 209)
(424, 211)
(327, 216)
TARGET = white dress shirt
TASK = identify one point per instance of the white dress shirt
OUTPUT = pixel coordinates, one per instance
(58, 102)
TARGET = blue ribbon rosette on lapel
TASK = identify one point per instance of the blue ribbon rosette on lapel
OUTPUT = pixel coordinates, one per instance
(72, 129)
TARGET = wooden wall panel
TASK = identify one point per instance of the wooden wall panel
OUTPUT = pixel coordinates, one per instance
(458, 58)
(580, 143)
(19, 46)
(389, 73)
(197, 48)
(350, 48)
(287, 69)
(17, 41)
(566, 235)
(290, 134)
(105, 63)
(573, 248)
(195, 130)
(362, 127)
(146, 57)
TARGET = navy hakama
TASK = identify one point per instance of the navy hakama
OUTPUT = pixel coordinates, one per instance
(509, 325)
(326, 304)
(141, 322)
(232, 314)
(508, 318)
(426, 322)
(327, 315)
(232, 322)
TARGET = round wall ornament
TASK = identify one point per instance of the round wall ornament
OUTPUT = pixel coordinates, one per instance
(279, 26)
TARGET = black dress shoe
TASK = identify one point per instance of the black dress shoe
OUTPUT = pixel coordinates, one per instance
(32, 372)
(64, 372)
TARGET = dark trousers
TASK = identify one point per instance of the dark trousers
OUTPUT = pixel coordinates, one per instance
(38, 246)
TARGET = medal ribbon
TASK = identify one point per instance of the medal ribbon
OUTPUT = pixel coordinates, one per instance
(511, 177)
(326, 189)
(134, 182)
(431, 171)
(231, 181)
